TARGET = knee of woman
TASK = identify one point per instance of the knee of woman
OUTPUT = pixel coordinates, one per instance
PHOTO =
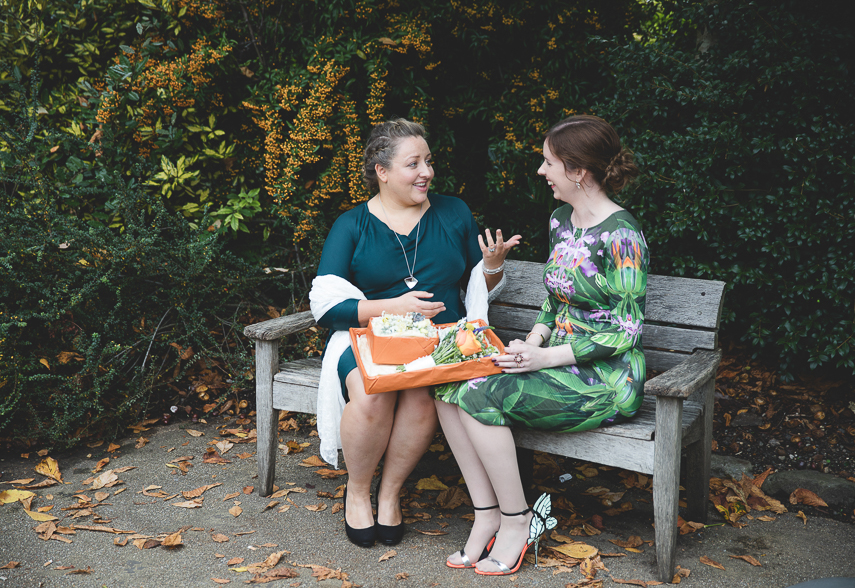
(374, 407)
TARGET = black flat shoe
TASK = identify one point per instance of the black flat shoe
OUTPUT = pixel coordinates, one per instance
(361, 537)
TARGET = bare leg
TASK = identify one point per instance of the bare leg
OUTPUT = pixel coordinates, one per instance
(365, 428)
(480, 489)
(497, 452)
(412, 431)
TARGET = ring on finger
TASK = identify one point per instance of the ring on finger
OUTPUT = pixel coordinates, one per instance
(492, 249)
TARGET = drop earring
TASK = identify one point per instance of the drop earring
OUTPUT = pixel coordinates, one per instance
(578, 185)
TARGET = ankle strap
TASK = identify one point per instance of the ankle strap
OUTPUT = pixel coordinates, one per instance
(486, 507)
(516, 514)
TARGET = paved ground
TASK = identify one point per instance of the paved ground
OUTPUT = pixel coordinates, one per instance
(790, 550)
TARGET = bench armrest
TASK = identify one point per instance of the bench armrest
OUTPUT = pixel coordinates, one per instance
(687, 377)
(279, 327)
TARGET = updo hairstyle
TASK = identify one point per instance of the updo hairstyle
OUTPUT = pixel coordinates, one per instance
(382, 146)
(590, 143)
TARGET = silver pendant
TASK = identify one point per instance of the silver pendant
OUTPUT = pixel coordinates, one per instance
(411, 282)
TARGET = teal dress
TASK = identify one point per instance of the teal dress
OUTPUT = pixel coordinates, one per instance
(596, 280)
(364, 251)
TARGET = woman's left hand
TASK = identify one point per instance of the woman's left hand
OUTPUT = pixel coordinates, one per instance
(494, 252)
(521, 357)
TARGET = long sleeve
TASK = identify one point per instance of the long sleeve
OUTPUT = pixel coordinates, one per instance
(335, 260)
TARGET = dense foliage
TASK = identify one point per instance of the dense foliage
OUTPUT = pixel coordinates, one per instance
(171, 149)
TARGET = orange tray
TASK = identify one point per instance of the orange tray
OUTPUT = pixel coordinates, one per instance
(441, 374)
(398, 350)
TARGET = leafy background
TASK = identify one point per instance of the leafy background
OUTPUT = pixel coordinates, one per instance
(170, 168)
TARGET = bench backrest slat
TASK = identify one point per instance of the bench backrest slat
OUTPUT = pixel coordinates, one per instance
(690, 310)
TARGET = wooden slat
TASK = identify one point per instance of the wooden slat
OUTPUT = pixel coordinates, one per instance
(676, 301)
(279, 327)
(520, 320)
(661, 361)
(302, 372)
(682, 380)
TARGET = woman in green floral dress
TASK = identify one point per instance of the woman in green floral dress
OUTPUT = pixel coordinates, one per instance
(581, 366)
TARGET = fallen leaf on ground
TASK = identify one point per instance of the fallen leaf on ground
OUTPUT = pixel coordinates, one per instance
(235, 511)
(711, 562)
(245, 455)
(223, 446)
(173, 540)
(99, 496)
(195, 503)
(452, 497)
(219, 537)
(271, 504)
(105, 480)
(113, 447)
(312, 462)
(234, 561)
(273, 575)
(802, 516)
(41, 516)
(641, 583)
(120, 541)
(101, 528)
(316, 507)
(124, 469)
(633, 541)
(248, 489)
(388, 555)
(141, 443)
(21, 481)
(86, 570)
(188, 494)
(747, 558)
(221, 580)
(9, 496)
(800, 495)
(230, 495)
(432, 483)
(680, 574)
(213, 457)
(146, 543)
(194, 432)
(329, 474)
(402, 576)
(50, 468)
(576, 550)
(436, 533)
(10, 565)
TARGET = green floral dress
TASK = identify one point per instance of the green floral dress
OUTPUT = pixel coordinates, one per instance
(597, 282)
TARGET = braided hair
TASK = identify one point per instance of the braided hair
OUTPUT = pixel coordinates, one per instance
(382, 146)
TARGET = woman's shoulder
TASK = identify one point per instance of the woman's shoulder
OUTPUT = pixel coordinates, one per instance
(352, 218)
(453, 204)
(623, 219)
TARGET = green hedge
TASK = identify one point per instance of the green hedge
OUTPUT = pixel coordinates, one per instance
(744, 134)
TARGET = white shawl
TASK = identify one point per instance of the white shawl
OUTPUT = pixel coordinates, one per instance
(330, 290)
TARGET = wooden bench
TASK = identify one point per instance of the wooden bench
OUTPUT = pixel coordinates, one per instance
(680, 338)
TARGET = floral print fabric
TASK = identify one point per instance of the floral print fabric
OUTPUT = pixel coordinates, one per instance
(596, 280)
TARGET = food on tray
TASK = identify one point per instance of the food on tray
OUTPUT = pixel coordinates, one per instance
(462, 342)
(412, 324)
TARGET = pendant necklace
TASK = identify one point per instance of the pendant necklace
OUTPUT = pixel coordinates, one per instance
(410, 280)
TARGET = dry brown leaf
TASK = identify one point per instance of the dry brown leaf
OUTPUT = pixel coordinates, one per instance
(802, 516)
(113, 447)
(219, 537)
(145, 543)
(124, 469)
(641, 583)
(212, 457)
(316, 507)
(329, 474)
(280, 493)
(20, 481)
(273, 575)
(402, 576)
(120, 541)
(230, 495)
(50, 468)
(576, 550)
(223, 446)
(194, 432)
(195, 503)
(235, 511)
(234, 561)
(10, 565)
(42, 484)
(271, 504)
(248, 489)
(245, 455)
(312, 462)
(141, 443)
(802, 496)
(99, 496)
(436, 533)
(100, 465)
(173, 540)
(633, 541)
(41, 516)
(711, 562)
(221, 580)
(105, 480)
(452, 497)
(747, 558)
(86, 570)
(388, 555)
(197, 492)
(766, 518)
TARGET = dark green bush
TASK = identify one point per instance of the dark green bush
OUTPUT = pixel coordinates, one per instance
(744, 134)
(93, 318)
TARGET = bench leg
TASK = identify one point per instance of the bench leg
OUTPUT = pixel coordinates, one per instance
(267, 418)
(666, 480)
(698, 457)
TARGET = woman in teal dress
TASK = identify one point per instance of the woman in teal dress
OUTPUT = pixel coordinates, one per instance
(581, 366)
(401, 251)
